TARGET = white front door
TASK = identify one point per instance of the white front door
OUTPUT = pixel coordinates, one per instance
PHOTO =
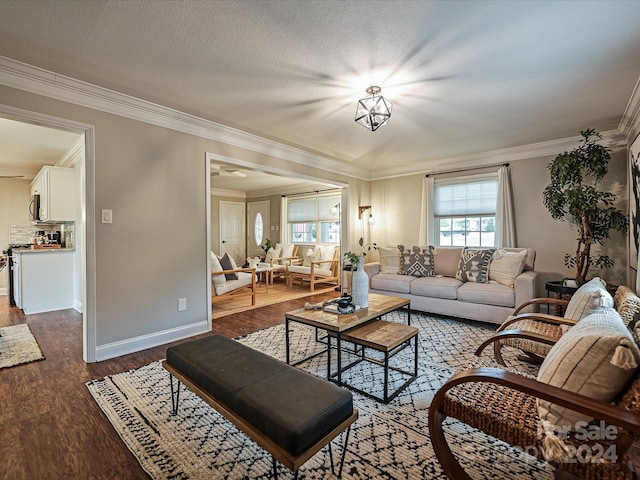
(232, 228)
(258, 227)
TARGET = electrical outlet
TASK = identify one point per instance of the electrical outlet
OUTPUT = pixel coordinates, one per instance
(182, 304)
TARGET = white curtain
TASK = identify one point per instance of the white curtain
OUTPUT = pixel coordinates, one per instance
(426, 236)
(505, 218)
(284, 233)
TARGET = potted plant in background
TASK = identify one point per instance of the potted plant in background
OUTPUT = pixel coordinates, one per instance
(359, 279)
(573, 196)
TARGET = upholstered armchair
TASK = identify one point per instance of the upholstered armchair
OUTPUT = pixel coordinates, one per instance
(283, 256)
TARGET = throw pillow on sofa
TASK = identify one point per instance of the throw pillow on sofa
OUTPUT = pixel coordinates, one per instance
(417, 262)
(474, 265)
(505, 266)
(389, 259)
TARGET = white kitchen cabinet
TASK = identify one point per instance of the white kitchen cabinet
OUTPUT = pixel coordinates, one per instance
(43, 280)
(57, 189)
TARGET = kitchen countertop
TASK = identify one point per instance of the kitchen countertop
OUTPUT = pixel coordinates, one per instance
(42, 250)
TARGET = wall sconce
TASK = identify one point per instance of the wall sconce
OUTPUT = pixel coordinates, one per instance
(361, 210)
(335, 210)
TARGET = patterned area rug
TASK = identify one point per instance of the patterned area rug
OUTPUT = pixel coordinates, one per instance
(18, 346)
(387, 441)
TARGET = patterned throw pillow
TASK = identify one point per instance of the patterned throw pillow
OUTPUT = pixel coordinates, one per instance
(474, 265)
(417, 262)
(272, 253)
(626, 303)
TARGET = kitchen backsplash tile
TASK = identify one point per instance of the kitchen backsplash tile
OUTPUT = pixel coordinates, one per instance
(24, 233)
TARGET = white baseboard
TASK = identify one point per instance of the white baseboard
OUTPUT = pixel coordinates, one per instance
(3, 291)
(77, 306)
(136, 344)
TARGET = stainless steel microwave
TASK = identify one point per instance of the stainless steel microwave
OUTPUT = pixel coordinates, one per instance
(34, 208)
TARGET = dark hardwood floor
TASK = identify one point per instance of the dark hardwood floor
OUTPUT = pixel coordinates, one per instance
(50, 426)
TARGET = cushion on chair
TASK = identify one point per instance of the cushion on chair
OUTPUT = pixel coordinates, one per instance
(595, 358)
(591, 296)
(286, 251)
(311, 255)
(271, 254)
(244, 279)
(389, 259)
(626, 303)
(218, 280)
(505, 266)
(228, 264)
(325, 272)
(326, 255)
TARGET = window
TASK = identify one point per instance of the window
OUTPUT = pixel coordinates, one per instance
(465, 211)
(258, 233)
(309, 219)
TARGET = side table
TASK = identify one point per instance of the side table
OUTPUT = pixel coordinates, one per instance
(557, 289)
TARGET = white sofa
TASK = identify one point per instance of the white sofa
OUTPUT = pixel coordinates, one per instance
(446, 295)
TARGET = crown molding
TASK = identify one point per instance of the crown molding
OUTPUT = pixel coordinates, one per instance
(36, 80)
(612, 139)
(73, 155)
(222, 192)
(630, 123)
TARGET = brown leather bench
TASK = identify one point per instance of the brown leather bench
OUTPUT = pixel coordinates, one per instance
(288, 412)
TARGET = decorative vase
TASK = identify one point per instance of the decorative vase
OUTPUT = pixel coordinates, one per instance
(360, 285)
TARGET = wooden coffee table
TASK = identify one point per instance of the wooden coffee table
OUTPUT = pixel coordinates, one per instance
(337, 325)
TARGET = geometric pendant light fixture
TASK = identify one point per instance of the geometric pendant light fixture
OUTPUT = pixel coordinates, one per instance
(373, 111)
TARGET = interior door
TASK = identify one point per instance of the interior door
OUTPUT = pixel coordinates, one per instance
(258, 227)
(232, 231)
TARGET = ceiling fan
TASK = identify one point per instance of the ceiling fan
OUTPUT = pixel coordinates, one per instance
(221, 170)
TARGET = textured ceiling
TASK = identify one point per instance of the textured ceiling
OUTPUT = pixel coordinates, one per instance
(464, 77)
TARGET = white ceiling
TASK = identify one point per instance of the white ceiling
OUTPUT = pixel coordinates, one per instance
(464, 77)
(25, 148)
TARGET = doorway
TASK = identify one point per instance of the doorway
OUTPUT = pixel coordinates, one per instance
(84, 242)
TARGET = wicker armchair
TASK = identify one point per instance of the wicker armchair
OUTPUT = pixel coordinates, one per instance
(535, 333)
(504, 404)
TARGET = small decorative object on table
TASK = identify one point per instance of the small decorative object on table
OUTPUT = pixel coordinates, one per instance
(360, 279)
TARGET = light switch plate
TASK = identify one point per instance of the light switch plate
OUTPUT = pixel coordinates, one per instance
(182, 304)
(107, 216)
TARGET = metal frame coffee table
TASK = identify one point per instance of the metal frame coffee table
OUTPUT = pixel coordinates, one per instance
(337, 325)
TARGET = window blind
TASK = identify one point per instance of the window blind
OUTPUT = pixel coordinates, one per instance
(476, 195)
(311, 209)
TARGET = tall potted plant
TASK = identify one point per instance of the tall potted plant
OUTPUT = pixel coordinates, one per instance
(573, 196)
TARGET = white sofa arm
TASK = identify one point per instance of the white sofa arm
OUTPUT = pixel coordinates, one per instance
(526, 288)
(372, 269)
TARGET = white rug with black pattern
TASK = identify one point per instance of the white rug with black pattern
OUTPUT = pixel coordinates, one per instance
(387, 441)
